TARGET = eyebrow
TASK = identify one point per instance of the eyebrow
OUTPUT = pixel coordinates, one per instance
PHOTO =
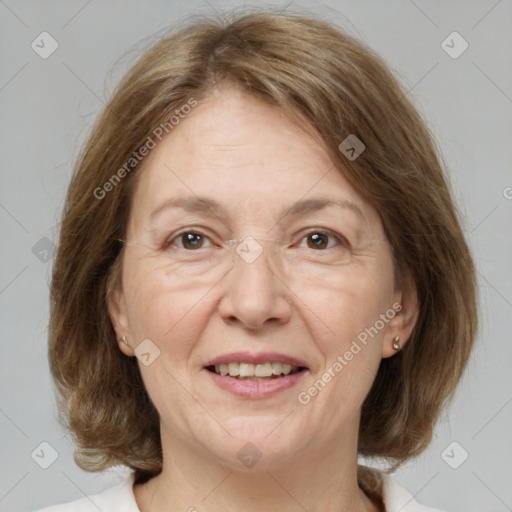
(208, 206)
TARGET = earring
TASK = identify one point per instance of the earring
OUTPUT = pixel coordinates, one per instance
(396, 344)
(124, 340)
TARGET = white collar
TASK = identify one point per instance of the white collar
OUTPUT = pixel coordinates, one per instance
(121, 498)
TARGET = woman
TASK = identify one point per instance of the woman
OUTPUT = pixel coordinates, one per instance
(261, 275)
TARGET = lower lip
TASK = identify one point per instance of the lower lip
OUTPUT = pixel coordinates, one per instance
(255, 388)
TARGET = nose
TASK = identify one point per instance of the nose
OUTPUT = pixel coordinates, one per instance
(255, 293)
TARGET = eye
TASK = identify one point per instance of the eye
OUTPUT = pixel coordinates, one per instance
(189, 240)
(319, 240)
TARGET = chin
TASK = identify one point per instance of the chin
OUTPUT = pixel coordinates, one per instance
(258, 443)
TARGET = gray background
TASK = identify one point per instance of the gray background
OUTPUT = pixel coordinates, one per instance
(47, 107)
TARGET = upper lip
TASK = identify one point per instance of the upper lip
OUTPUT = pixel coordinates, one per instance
(262, 357)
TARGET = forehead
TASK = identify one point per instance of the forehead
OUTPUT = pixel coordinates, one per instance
(247, 155)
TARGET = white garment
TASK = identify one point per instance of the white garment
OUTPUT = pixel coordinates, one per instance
(121, 499)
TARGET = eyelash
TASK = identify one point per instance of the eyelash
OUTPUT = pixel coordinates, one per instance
(339, 238)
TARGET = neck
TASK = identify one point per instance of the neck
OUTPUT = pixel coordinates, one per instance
(321, 478)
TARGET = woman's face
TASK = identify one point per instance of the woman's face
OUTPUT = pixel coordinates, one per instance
(314, 301)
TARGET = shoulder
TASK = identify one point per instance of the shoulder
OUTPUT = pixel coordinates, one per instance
(119, 498)
(394, 497)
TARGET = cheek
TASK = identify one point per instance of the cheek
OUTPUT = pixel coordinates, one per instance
(350, 302)
(165, 310)
(172, 316)
(349, 332)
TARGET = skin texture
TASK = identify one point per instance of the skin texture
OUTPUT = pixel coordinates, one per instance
(255, 161)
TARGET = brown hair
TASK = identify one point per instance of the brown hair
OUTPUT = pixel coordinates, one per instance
(311, 69)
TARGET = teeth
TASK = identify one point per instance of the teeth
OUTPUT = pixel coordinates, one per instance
(234, 369)
(265, 370)
(276, 368)
(286, 368)
(246, 370)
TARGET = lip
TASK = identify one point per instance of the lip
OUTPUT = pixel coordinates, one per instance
(255, 389)
(263, 357)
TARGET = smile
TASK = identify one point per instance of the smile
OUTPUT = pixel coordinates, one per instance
(251, 371)
(255, 376)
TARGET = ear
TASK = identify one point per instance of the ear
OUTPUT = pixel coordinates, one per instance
(117, 312)
(407, 308)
